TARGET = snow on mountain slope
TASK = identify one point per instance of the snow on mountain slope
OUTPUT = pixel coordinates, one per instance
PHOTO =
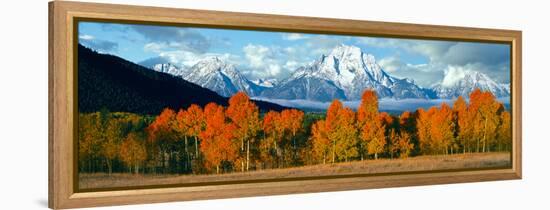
(268, 83)
(345, 70)
(343, 74)
(221, 77)
(469, 81)
(169, 68)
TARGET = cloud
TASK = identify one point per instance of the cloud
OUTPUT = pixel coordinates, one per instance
(257, 54)
(293, 36)
(453, 74)
(174, 38)
(467, 53)
(102, 46)
(185, 58)
(488, 58)
(448, 52)
(272, 61)
(263, 61)
(323, 44)
(182, 46)
(391, 64)
(292, 64)
(498, 72)
(429, 48)
(85, 37)
(424, 74)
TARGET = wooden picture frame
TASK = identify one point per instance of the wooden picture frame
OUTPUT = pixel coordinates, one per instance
(62, 15)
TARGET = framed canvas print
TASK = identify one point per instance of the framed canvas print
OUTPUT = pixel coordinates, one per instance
(152, 104)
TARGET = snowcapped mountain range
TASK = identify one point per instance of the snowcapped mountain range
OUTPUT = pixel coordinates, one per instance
(168, 68)
(469, 83)
(344, 74)
(220, 77)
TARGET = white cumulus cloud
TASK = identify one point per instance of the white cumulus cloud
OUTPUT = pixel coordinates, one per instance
(86, 37)
(453, 74)
(293, 36)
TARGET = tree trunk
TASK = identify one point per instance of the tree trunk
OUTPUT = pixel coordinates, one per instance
(293, 146)
(89, 164)
(247, 154)
(217, 169)
(188, 161)
(196, 148)
(477, 147)
(163, 154)
(485, 134)
(376, 156)
(361, 150)
(276, 153)
(109, 166)
(333, 151)
(242, 144)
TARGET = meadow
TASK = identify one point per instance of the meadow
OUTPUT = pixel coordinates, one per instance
(420, 163)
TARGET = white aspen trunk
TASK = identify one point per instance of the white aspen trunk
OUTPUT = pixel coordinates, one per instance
(485, 134)
(247, 154)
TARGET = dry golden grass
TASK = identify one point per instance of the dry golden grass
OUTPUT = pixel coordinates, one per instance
(421, 163)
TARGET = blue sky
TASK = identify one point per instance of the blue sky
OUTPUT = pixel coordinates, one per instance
(276, 54)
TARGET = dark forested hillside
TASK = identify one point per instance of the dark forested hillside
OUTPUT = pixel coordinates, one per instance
(107, 81)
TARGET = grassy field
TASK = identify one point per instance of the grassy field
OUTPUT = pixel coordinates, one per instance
(421, 163)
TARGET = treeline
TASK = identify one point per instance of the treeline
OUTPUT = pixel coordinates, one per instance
(218, 139)
(482, 125)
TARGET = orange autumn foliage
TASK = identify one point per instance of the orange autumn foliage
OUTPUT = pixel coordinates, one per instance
(371, 125)
(485, 110)
(340, 128)
(133, 151)
(245, 116)
(217, 139)
(368, 109)
(116, 141)
(321, 142)
(161, 129)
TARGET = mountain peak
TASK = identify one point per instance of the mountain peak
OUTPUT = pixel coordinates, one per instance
(168, 68)
(344, 50)
(458, 82)
(213, 60)
(344, 73)
(221, 76)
